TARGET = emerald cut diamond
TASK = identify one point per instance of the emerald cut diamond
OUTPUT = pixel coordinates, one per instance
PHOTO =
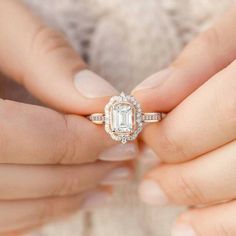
(122, 118)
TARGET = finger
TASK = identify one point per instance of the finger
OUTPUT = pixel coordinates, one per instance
(37, 135)
(211, 221)
(207, 54)
(41, 59)
(16, 215)
(28, 182)
(208, 179)
(24, 232)
(87, 201)
(203, 122)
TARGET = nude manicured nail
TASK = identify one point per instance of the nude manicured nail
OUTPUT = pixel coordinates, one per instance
(117, 176)
(148, 156)
(151, 193)
(120, 152)
(154, 80)
(91, 85)
(183, 230)
(95, 199)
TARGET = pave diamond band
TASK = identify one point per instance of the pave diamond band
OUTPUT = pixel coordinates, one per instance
(123, 118)
(99, 118)
(152, 117)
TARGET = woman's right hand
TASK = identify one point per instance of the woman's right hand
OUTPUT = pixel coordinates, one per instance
(49, 160)
(196, 142)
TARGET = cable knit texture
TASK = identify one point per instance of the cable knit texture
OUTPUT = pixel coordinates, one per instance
(125, 41)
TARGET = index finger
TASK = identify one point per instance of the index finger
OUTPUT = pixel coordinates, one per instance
(42, 60)
(201, 123)
(37, 135)
(206, 55)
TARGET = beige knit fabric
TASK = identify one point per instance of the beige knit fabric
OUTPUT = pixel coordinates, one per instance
(125, 41)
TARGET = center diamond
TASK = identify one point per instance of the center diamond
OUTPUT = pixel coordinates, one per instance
(122, 118)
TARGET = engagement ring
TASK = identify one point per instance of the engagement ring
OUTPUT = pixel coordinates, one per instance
(123, 118)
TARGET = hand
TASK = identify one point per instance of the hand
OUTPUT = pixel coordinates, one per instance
(196, 140)
(49, 160)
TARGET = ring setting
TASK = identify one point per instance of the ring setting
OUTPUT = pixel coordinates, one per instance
(123, 118)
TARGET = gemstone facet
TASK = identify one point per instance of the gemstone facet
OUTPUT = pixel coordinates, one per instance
(122, 118)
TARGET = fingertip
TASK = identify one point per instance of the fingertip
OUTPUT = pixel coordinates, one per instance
(151, 193)
(150, 92)
(183, 230)
(90, 85)
(155, 100)
(95, 199)
(82, 92)
(120, 152)
(153, 81)
(183, 226)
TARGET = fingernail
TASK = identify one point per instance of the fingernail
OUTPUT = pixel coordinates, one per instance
(148, 156)
(91, 85)
(154, 80)
(147, 160)
(120, 152)
(95, 200)
(183, 230)
(117, 176)
(151, 193)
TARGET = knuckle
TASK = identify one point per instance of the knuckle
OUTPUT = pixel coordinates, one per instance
(207, 41)
(75, 148)
(226, 105)
(46, 40)
(6, 108)
(222, 230)
(67, 186)
(188, 191)
(210, 38)
(46, 210)
(170, 148)
(69, 143)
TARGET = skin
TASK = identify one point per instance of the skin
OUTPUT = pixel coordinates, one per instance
(196, 140)
(48, 175)
(203, 101)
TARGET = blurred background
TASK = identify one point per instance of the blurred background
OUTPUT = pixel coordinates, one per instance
(124, 41)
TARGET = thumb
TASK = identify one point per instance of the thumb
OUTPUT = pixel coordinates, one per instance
(41, 59)
(206, 55)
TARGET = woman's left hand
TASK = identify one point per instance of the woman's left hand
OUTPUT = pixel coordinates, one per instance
(197, 139)
(51, 164)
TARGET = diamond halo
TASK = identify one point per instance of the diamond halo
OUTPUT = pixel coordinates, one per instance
(123, 118)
